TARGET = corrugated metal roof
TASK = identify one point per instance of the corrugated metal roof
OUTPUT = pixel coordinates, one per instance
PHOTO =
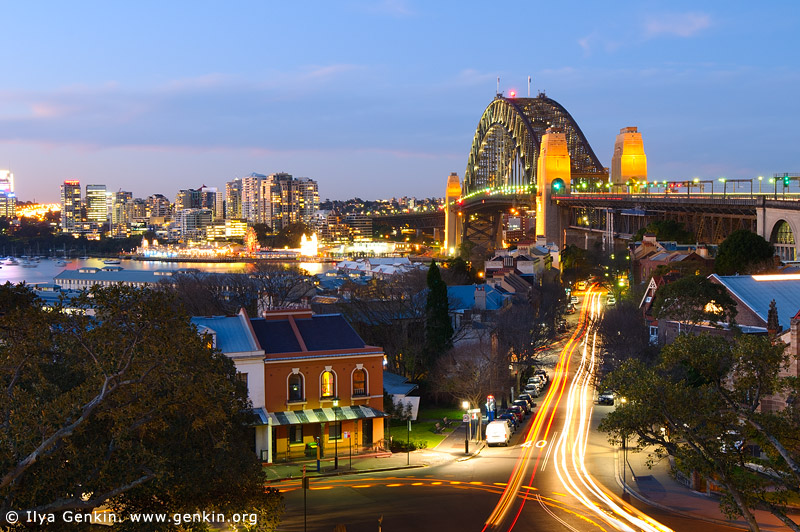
(323, 415)
(757, 294)
(463, 296)
(233, 334)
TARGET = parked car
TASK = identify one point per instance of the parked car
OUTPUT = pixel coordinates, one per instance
(531, 389)
(523, 404)
(528, 397)
(511, 418)
(611, 300)
(606, 398)
(517, 411)
(573, 300)
(543, 373)
(498, 433)
(570, 308)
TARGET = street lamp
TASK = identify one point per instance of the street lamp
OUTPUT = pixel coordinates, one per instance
(624, 449)
(465, 406)
(724, 186)
(760, 178)
(338, 434)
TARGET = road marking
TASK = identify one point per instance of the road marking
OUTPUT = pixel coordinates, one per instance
(549, 450)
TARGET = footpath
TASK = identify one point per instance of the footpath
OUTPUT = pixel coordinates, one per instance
(448, 450)
(657, 486)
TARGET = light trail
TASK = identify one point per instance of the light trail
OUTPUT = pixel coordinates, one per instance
(571, 450)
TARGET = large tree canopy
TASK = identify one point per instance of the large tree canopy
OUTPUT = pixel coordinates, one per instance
(706, 393)
(121, 404)
(743, 252)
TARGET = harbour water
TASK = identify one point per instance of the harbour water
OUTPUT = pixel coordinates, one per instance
(47, 269)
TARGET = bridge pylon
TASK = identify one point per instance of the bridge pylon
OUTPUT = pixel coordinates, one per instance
(553, 174)
(452, 215)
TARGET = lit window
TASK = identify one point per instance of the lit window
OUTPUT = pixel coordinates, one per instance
(327, 384)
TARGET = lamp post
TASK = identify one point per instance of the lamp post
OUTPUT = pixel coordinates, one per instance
(465, 406)
(724, 186)
(624, 449)
(760, 178)
(338, 434)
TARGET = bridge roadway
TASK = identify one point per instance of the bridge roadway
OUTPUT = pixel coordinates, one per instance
(557, 474)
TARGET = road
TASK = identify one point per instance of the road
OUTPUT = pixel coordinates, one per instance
(557, 474)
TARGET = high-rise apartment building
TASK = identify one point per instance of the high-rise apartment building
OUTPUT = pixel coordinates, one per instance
(252, 198)
(233, 200)
(121, 214)
(158, 206)
(277, 200)
(70, 205)
(96, 204)
(8, 204)
(211, 198)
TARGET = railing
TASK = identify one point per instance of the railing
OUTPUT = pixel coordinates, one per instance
(357, 392)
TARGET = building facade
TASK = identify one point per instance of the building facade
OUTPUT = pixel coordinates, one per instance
(70, 205)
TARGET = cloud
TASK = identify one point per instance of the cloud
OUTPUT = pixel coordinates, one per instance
(676, 24)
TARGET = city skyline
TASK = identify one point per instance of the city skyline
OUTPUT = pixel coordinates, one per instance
(380, 99)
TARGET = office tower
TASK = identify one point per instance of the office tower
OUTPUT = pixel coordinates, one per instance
(8, 204)
(96, 204)
(6, 181)
(70, 205)
(252, 191)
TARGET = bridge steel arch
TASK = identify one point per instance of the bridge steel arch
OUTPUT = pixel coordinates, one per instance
(503, 161)
(506, 145)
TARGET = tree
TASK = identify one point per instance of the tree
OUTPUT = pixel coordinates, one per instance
(438, 328)
(624, 333)
(575, 264)
(122, 404)
(694, 300)
(706, 393)
(666, 230)
(744, 252)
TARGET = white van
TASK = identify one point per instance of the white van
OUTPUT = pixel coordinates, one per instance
(498, 433)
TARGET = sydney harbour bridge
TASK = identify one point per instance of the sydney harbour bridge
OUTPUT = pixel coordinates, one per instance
(530, 157)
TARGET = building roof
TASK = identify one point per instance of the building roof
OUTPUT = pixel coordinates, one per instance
(757, 291)
(116, 275)
(323, 332)
(395, 384)
(463, 297)
(232, 333)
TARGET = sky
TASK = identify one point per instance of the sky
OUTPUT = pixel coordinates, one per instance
(378, 99)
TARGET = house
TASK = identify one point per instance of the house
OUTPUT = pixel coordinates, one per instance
(401, 391)
(311, 380)
(323, 383)
(649, 254)
(234, 336)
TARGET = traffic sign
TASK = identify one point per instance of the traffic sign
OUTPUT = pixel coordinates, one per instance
(465, 418)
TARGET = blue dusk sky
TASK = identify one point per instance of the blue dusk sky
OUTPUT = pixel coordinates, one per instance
(381, 99)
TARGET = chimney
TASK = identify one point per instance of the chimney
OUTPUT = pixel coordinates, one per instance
(773, 327)
(480, 297)
(702, 250)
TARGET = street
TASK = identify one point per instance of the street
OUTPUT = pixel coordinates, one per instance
(558, 473)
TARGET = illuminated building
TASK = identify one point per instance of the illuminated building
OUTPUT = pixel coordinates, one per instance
(8, 204)
(193, 222)
(121, 213)
(158, 208)
(70, 205)
(96, 204)
(553, 176)
(452, 225)
(629, 162)
(6, 181)
(235, 228)
(233, 199)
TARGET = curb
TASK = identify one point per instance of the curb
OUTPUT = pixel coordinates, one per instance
(481, 445)
(351, 472)
(629, 490)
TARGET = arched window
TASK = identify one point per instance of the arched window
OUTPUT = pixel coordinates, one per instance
(328, 384)
(360, 382)
(783, 240)
(296, 392)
